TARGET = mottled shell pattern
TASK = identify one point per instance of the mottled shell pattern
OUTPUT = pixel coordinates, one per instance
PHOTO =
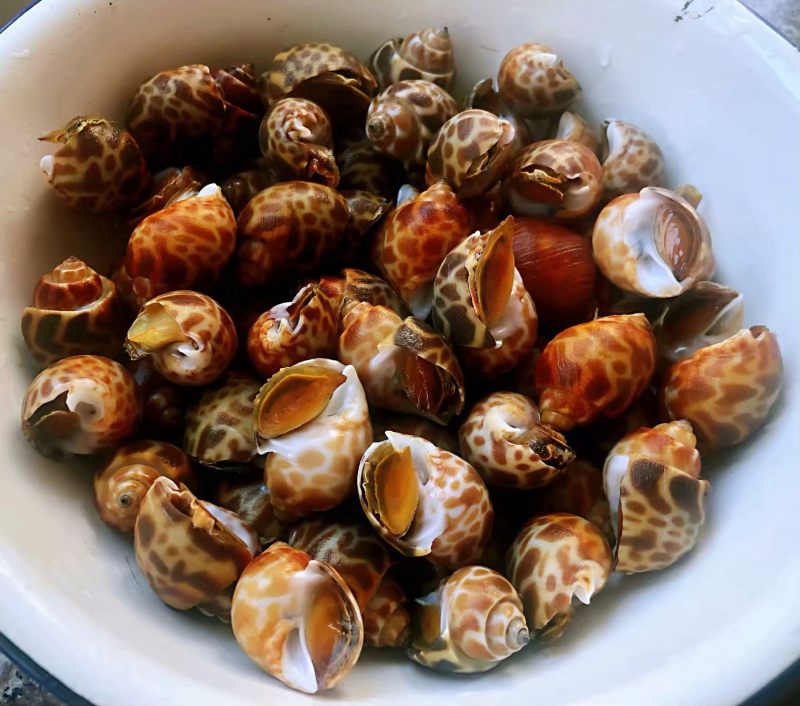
(312, 424)
(444, 437)
(288, 230)
(554, 559)
(471, 152)
(504, 439)
(653, 243)
(190, 551)
(425, 501)
(726, 390)
(163, 402)
(651, 480)
(297, 142)
(362, 167)
(572, 126)
(414, 239)
(190, 337)
(355, 286)
(75, 311)
(242, 186)
(472, 622)
(366, 211)
(288, 333)
(83, 404)
(402, 120)
(250, 499)
(296, 618)
(404, 365)
(592, 369)
(123, 480)
(558, 178)
(426, 55)
(631, 159)
(220, 427)
(168, 186)
(98, 166)
(182, 246)
(386, 619)
(483, 96)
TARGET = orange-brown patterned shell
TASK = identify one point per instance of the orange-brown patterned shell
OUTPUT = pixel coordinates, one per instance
(592, 369)
(726, 390)
(242, 186)
(414, 239)
(288, 230)
(163, 402)
(251, 500)
(98, 166)
(123, 480)
(386, 619)
(183, 246)
(362, 167)
(307, 327)
(366, 211)
(444, 437)
(554, 559)
(426, 55)
(83, 404)
(236, 140)
(651, 482)
(167, 187)
(572, 126)
(354, 286)
(631, 159)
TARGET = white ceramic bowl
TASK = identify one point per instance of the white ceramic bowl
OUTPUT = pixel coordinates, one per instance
(722, 96)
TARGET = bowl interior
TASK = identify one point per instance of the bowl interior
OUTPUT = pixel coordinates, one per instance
(721, 94)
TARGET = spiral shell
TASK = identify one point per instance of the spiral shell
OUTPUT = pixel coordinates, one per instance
(122, 482)
(572, 126)
(313, 425)
(98, 167)
(558, 178)
(651, 480)
(81, 405)
(363, 167)
(250, 499)
(182, 246)
(404, 365)
(631, 159)
(355, 286)
(414, 239)
(444, 437)
(220, 429)
(296, 619)
(554, 559)
(292, 332)
(190, 337)
(366, 211)
(168, 186)
(484, 97)
(471, 152)
(653, 243)
(595, 368)
(426, 55)
(402, 120)
(163, 402)
(726, 390)
(75, 311)
(386, 619)
(503, 438)
(289, 230)
(296, 140)
(240, 187)
(189, 551)
(424, 501)
(532, 78)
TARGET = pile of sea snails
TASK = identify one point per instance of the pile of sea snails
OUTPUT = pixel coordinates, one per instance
(382, 369)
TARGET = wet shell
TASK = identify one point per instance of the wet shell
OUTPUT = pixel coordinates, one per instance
(362, 167)
(98, 166)
(532, 78)
(726, 390)
(83, 404)
(503, 438)
(472, 152)
(652, 243)
(163, 402)
(403, 119)
(289, 230)
(289, 333)
(296, 140)
(366, 211)
(184, 245)
(572, 126)
(426, 55)
(242, 186)
(250, 499)
(355, 286)
(592, 369)
(444, 437)
(220, 429)
(189, 551)
(122, 482)
(424, 501)
(651, 480)
(296, 619)
(404, 365)
(75, 311)
(236, 140)
(168, 186)
(414, 239)
(386, 619)
(312, 424)
(554, 559)
(631, 159)
(190, 337)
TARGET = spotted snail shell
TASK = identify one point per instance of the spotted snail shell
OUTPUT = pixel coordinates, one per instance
(168, 186)
(240, 187)
(363, 167)
(354, 286)
(631, 159)
(296, 618)
(424, 501)
(572, 126)
(426, 55)
(163, 402)
(250, 499)
(444, 437)
(386, 619)
(366, 211)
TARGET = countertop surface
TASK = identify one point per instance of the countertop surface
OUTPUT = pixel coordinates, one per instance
(18, 689)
